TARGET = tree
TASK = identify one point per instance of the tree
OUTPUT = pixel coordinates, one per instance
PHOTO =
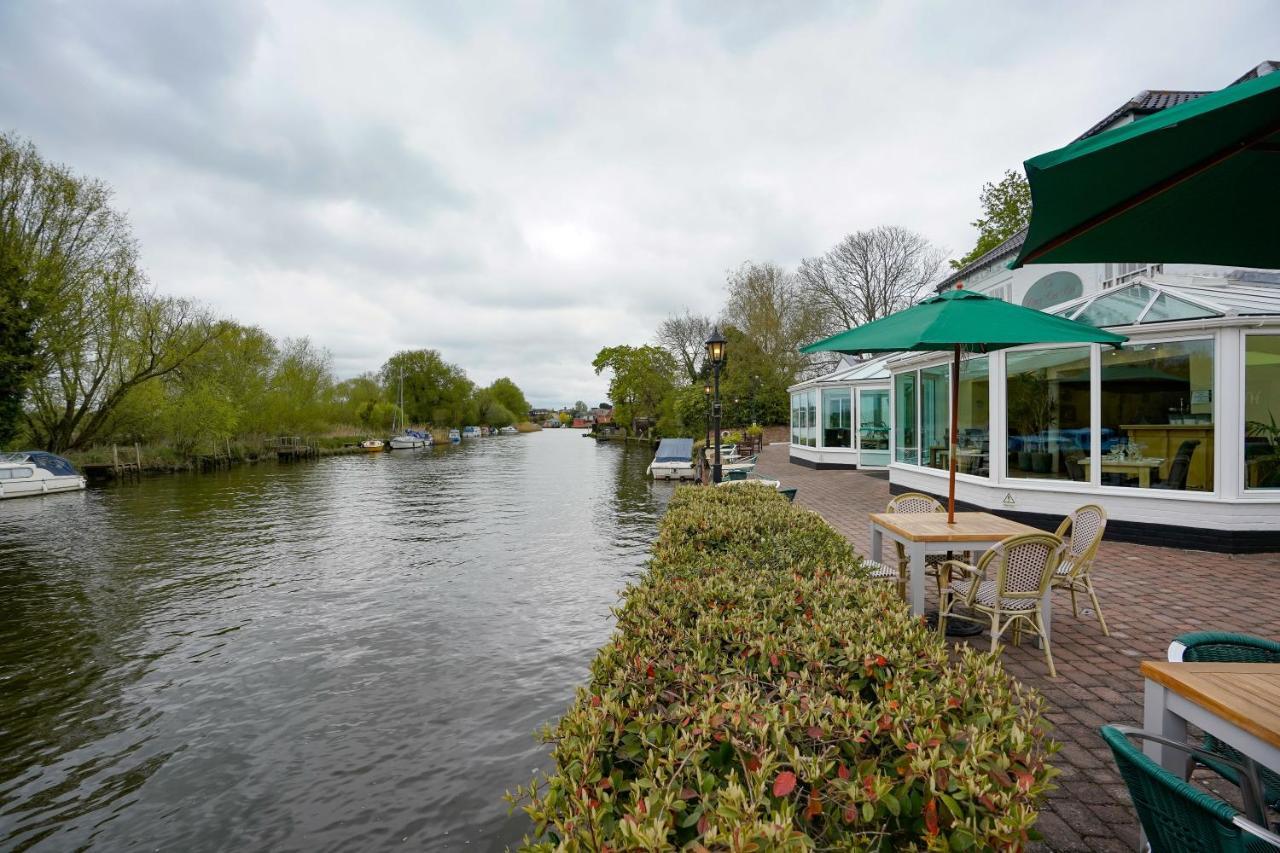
(435, 391)
(868, 275)
(509, 395)
(642, 378)
(1006, 208)
(17, 347)
(767, 305)
(685, 336)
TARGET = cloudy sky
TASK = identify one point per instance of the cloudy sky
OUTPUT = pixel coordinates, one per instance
(519, 185)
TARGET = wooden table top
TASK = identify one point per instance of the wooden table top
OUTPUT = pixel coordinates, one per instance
(1246, 694)
(933, 526)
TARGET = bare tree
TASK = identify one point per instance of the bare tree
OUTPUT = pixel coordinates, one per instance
(684, 336)
(768, 305)
(868, 275)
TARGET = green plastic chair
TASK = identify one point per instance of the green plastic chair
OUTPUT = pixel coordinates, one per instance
(1176, 816)
(735, 475)
(789, 494)
(1222, 647)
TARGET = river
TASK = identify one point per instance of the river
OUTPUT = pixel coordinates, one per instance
(348, 654)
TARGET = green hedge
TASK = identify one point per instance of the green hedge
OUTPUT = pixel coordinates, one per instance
(760, 694)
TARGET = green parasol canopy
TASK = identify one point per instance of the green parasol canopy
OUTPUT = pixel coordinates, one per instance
(1195, 183)
(961, 321)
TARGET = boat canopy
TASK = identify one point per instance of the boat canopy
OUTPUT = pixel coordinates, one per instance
(674, 450)
(50, 462)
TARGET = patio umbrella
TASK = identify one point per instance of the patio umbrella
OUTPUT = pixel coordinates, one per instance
(1195, 183)
(961, 321)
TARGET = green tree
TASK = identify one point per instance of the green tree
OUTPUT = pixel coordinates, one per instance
(769, 307)
(642, 378)
(509, 395)
(17, 347)
(1006, 209)
(435, 391)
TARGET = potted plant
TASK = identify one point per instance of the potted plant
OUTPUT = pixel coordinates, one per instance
(1031, 408)
(1263, 461)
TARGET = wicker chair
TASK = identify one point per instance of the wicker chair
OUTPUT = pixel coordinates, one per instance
(1025, 566)
(1082, 531)
(1222, 647)
(909, 502)
(1175, 815)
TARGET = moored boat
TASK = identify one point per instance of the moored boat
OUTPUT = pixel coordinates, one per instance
(674, 460)
(34, 472)
(410, 439)
(508, 430)
(372, 445)
(471, 432)
(455, 437)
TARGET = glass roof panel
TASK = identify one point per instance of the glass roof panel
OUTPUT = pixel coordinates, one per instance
(1167, 307)
(1120, 308)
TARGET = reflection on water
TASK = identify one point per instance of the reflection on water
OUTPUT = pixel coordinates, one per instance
(348, 654)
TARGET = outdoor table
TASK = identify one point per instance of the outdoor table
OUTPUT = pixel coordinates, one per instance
(929, 533)
(1238, 703)
(1140, 468)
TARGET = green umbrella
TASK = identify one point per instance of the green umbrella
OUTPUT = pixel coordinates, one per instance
(1195, 183)
(961, 321)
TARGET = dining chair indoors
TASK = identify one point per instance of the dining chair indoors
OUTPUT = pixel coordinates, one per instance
(1082, 531)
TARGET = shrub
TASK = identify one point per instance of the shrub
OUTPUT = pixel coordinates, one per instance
(759, 693)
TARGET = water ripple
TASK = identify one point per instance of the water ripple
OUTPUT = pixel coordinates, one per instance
(348, 654)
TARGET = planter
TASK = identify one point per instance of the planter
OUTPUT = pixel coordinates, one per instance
(1024, 460)
(1041, 462)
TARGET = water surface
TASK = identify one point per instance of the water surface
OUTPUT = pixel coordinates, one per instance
(346, 654)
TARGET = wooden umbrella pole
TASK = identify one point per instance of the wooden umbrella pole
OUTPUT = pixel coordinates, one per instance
(955, 405)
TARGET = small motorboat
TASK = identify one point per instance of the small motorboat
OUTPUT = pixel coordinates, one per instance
(471, 432)
(455, 437)
(508, 430)
(373, 445)
(674, 460)
(34, 472)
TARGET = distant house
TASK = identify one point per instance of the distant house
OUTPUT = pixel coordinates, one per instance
(582, 422)
(602, 415)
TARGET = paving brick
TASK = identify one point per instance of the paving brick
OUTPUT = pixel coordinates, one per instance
(1149, 595)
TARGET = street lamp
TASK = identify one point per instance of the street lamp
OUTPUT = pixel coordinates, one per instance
(715, 353)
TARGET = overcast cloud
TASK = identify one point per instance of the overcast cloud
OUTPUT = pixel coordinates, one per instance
(518, 185)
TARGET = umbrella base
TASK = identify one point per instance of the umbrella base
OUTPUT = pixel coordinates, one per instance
(955, 627)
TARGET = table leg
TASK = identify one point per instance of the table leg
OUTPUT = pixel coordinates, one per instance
(877, 544)
(1158, 719)
(1144, 477)
(916, 551)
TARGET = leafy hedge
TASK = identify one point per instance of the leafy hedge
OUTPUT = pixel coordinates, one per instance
(759, 694)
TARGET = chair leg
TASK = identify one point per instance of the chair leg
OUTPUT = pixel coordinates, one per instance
(1044, 638)
(1097, 608)
(1074, 612)
(995, 632)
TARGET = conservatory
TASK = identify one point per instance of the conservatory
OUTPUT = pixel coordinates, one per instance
(841, 419)
(1177, 434)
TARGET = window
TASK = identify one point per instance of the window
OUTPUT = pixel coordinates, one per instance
(1053, 289)
(1157, 416)
(973, 418)
(811, 418)
(1047, 394)
(904, 419)
(1117, 309)
(15, 473)
(1262, 411)
(797, 419)
(935, 415)
(837, 418)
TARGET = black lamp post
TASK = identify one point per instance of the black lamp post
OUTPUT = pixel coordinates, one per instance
(706, 395)
(715, 353)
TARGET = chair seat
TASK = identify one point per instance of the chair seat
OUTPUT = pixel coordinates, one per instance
(879, 571)
(986, 596)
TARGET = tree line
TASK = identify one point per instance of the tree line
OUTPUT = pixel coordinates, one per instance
(91, 352)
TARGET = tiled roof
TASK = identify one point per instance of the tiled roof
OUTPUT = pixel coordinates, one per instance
(1143, 104)
(1008, 247)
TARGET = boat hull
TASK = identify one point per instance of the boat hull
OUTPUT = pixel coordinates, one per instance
(671, 471)
(36, 487)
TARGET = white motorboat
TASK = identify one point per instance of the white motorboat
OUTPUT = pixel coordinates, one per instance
(34, 472)
(508, 430)
(674, 460)
(471, 432)
(455, 437)
(372, 445)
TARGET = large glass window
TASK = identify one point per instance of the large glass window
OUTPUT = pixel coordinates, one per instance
(1262, 411)
(973, 416)
(935, 416)
(797, 419)
(1047, 394)
(1157, 416)
(811, 418)
(904, 419)
(873, 427)
(837, 418)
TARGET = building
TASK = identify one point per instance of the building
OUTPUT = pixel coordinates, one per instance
(1176, 434)
(824, 412)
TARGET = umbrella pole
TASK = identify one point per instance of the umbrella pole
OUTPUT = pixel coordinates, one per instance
(955, 405)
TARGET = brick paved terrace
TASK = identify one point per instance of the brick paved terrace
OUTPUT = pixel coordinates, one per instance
(1149, 596)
